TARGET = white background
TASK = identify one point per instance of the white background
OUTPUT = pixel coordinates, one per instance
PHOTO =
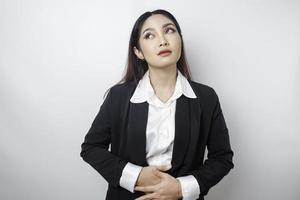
(58, 57)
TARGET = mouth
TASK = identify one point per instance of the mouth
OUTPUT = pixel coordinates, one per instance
(165, 53)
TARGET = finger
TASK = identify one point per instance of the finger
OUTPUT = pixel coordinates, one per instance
(158, 173)
(147, 196)
(145, 188)
(163, 167)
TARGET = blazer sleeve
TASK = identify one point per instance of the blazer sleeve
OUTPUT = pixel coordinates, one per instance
(219, 156)
(94, 149)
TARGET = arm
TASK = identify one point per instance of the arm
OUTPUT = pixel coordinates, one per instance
(94, 149)
(219, 157)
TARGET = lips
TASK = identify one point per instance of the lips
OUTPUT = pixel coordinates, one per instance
(164, 51)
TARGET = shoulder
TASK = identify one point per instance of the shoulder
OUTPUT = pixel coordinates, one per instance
(203, 91)
(124, 87)
(122, 90)
(206, 95)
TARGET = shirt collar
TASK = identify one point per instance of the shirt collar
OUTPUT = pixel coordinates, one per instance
(144, 90)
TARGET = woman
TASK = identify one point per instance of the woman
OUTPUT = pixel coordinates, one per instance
(158, 122)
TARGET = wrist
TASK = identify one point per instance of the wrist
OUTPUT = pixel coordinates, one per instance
(139, 177)
(179, 192)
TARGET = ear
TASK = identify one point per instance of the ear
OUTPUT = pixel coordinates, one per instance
(138, 53)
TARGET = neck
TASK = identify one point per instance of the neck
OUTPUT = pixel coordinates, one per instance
(163, 79)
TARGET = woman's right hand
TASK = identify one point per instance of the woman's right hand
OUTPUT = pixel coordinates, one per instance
(147, 176)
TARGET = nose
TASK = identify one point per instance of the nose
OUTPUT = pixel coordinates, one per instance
(163, 42)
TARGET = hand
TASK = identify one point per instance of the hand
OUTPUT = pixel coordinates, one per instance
(147, 175)
(169, 188)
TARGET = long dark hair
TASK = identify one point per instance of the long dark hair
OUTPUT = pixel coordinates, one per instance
(135, 67)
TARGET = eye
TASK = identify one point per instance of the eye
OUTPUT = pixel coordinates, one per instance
(147, 35)
(172, 29)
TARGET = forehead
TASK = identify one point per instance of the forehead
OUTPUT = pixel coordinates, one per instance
(156, 21)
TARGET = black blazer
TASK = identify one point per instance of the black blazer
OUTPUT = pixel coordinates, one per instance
(199, 123)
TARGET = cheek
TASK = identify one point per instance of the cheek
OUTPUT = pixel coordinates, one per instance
(175, 40)
(179, 42)
(177, 45)
(148, 49)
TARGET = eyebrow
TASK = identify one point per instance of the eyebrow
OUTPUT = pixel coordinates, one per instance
(167, 24)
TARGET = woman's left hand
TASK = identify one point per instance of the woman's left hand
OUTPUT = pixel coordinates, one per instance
(169, 188)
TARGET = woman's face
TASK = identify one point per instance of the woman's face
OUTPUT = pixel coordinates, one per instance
(159, 33)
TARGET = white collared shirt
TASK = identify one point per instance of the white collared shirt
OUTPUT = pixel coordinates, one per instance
(160, 132)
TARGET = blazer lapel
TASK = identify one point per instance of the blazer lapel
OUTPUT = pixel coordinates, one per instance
(187, 126)
(182, 132)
